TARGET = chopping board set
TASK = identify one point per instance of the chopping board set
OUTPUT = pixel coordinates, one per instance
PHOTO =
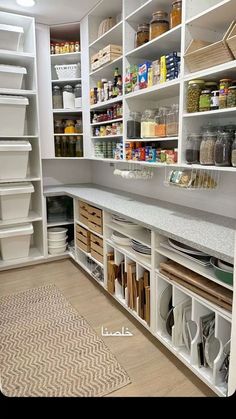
(197, 283)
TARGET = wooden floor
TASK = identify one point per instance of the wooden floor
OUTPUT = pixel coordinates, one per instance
(153, 370)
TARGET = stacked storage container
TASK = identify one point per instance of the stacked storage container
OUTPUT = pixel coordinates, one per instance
(57, 240)
(15, 197)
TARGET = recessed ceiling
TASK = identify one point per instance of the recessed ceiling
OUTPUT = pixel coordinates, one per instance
(52, 12)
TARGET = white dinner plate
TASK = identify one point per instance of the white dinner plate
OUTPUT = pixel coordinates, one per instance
(184, 248)
(164, 305)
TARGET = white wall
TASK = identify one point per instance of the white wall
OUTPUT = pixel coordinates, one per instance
(58, 172)
(222, 201)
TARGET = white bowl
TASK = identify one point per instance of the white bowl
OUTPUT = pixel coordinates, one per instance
(57, 233)
(57, 242)
(57, 250)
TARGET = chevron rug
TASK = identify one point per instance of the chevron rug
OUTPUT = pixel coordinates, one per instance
(47, 349)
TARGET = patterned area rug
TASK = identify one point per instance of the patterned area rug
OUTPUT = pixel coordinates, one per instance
(47, 349)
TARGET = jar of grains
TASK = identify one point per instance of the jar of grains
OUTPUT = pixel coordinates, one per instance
(175, 14)
(224, 88)
(207, 148)
(142, 36)
(205, 101)
(57, 101)
(222, 151)
(195, 88)
(233, 153)
(193, 148)
(231, 98)
(159, 24)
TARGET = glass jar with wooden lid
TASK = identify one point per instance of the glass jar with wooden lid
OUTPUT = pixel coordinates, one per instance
(142, 36)
(159, 24)
(176, 14)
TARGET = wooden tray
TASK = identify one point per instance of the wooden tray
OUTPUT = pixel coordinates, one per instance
(231, 40)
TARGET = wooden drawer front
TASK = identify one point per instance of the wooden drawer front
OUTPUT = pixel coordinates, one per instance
(83, 213)
(97, 248)
(95, 227)
(96, 212)
(95, 219)
(83, 235)
(83, 246)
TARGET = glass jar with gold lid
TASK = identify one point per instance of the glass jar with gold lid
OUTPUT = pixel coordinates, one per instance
(159, 24)
(176, 14)
(142, 36)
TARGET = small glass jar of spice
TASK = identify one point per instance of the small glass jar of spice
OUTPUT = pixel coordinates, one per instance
(224, 88)
(142, 36)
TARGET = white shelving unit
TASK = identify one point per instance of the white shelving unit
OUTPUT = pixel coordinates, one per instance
(26, 57)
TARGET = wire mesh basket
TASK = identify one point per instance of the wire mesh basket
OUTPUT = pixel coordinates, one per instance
(192, 178)
(68, 71)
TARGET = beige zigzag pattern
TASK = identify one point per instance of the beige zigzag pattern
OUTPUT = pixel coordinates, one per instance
(47, 349)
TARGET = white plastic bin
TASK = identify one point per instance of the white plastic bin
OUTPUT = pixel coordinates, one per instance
(15, 241)
(15, 200)
(11, 77)
(10, 37)
(14, 156)
(12, 115)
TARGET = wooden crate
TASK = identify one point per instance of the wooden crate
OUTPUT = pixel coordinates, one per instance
(83, 238)
(201, 54)
(83, 212)
(97, 248)
(231, 40)
(112, 49)
(95, 222)
(108, 57)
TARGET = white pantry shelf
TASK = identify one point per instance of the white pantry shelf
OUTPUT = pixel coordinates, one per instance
(142, 236)
(58, 223)
(27, 179)
(33, 217)
(64, 81)
(217, 72)
(105, 71)
(112, 36)
(160, 91)
(70, 58)
(20, 92)
(67, 111)
(90, 257)
(102, 105)
(68, 135)
(105, 137)
(34, 256)
(154, 139)
(128, 251)
(216, 18)
(95, 124)
(87, 228)
(217, 112)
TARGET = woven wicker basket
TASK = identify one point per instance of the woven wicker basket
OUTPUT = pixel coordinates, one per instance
(201, 54)
(68, 71)
(231, 40)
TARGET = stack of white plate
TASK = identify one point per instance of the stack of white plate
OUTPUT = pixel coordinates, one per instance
(57, 240)
(141, 248)
(120, 239)
(124, 223)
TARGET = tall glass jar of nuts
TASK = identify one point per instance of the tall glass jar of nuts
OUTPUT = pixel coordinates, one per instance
(195, 88)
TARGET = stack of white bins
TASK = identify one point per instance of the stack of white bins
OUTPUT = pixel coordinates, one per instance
(15, 241)
(11, 37)
(57, 240)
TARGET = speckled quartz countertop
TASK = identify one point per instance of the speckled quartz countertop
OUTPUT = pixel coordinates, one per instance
(204, 231)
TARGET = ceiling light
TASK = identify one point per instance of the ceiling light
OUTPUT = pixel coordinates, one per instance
(26, 3)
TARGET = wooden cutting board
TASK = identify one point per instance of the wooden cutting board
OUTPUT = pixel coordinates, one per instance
(198, 281)
(198, 291)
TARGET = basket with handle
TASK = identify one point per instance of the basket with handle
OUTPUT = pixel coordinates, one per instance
(68, 71)
(231, 40)
(202, 54)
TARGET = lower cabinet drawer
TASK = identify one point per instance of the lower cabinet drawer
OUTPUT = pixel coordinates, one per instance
(97, 247)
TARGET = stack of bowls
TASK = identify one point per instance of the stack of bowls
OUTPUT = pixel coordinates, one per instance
(57, 240)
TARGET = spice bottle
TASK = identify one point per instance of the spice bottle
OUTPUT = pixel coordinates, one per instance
(176, 14)
(224, 87)
(77, 46)
(64, 146)
(193, 148)
(68, 97)
(72, 47)
(159, 24)
(78, 126)
(231, 97)
(142, 36)
(66, 47)
(57, 49)
(207, 148)
(222, 153)
(195, 88)
(134, 125)
(57, 101)
(233, 153)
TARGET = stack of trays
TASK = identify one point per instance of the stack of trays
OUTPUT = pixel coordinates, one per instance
(123, 222)
(141, 248)
(120, 239)
(57, 240)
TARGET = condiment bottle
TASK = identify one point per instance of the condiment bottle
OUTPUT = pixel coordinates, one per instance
(176, 14)
(231, 97)
(78, 96)
(159, 24)
(58, 147)
(72, 147)
(224, 87)
(215, 99)
(77, 46)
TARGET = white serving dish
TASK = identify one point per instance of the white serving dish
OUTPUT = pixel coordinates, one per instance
(15, 200)
(12, 115)
(57, 250)
(15, 241)
(11, 77)
(56, 243)
(57, 233)
(14, 157)
(10, 37)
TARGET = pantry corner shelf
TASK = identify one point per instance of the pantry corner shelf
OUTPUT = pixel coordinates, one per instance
(157, 92)
(216, 17)
(112, 36)
(102, 105)
(157, 46)
(58, 223)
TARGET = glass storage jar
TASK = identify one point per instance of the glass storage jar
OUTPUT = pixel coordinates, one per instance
(231, 97)
(148, 124)
(68, 97)
(176, 14)
(159, 24)
(211, 85)
(224, 88)
(66, 47)
(142, 36)
(222, 153)
(57, 48)
(160, 122)
(205, 101)
(79, 146)
(58, 151)
(233, 153)
(78, 95)
(195, 88)
(134, 125)
(215, 99)
(193, 148)
(58, 126)
(64, 146)
(79, 126)
(172, 121)
(57, 101)
(72, 47)
(207, 148)
(72, 146)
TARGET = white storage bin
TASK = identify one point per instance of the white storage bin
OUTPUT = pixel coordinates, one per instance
(15, 241)
(15, 200)
(14, 157)
(12, 115)
(57, 250)
(57, 233)
(57, 243)
(11, 77)
(10, 37)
